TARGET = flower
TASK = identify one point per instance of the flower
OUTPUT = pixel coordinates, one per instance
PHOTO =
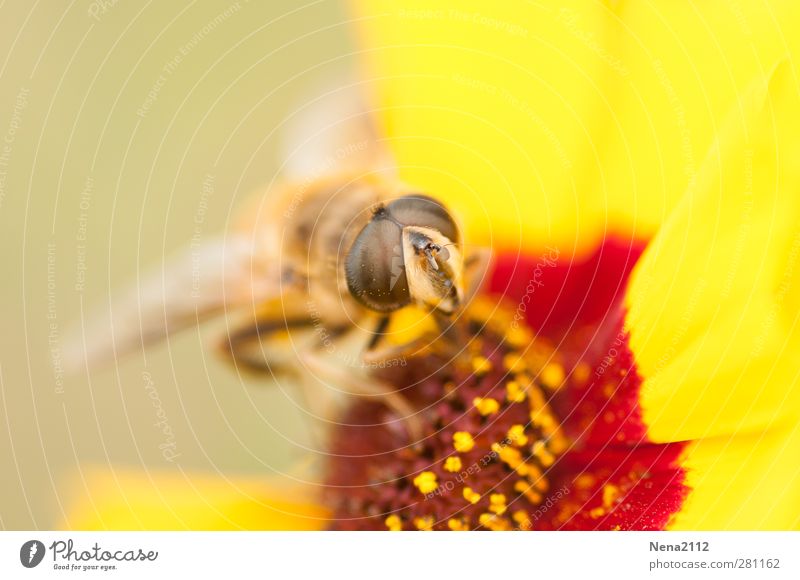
(594, 130)
(635, 370)
(537, 457)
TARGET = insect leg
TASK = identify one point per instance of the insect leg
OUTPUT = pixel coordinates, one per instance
(245, 347)
(265, 348)
(363, 385)
(377, 333)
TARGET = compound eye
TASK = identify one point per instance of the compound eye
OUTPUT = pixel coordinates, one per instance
(375, 270)
(423, 211)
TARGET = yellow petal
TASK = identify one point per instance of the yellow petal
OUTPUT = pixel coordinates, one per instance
(133, 500)
(688, 63)
(560, 122)
(713, 305)
(744, 482)
(496, 106)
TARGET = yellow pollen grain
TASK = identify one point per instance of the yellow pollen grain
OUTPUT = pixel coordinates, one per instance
(497, 503)
(536, 400)
(610, 494)
(485, 311)
(514, 392)
(522, 519)
(424, 523)
(426, 482)
(552, 375)
(608, 391)
(463, 441)
(486, 405)
(533, 496)
(457, 525)
(515, 363)
(542, 484)
(516, 434)
(597, 512)
(517, 336)
(481, 365)
(558, 443)
(493, 521)
(546, 421)
(394, 523)
(534, 472)
(527, 489)
(508, 455)
(581, 372)
(471, 496)
(452, 464)
(539, 451)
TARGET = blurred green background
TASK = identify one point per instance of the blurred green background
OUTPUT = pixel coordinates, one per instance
(98, 180)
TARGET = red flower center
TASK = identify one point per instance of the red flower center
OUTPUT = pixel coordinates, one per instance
(518, 432)
(491, 437)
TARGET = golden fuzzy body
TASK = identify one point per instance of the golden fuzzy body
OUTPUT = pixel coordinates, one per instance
(304, 230)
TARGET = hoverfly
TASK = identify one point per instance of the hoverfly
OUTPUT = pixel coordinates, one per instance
(324, 260)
